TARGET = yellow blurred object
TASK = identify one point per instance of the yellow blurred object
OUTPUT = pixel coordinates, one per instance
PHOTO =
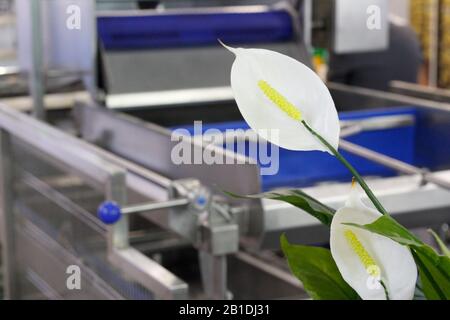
(423, 14)
(444, 57)
(320, 64)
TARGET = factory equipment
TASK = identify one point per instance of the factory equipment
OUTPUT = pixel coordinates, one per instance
(96, 187)
(144, 54)
(345, 27)
(58, 181)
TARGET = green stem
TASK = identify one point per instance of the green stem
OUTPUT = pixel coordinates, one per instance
(385, 290)
(355, 173)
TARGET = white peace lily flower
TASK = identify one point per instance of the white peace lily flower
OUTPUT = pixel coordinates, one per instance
(368, 261)
(276, 92)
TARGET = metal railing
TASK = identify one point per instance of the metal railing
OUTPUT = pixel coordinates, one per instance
(50, 186)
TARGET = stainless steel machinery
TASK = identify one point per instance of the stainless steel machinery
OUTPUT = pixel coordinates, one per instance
(167, 230)
(53, 183)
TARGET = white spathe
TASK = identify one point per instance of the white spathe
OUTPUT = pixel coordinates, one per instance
(294, 81)
(396, 265)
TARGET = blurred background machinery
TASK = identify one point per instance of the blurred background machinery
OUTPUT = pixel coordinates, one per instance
(86, 172)
(431, 20)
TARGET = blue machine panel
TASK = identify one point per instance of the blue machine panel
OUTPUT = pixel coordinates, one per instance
(199, 29)
(300, 169)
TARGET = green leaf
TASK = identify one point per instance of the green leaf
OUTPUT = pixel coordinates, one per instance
(318, 272)
(445, 251)
(298, 199)
(388, 227)
(434, 275)
(434, 269)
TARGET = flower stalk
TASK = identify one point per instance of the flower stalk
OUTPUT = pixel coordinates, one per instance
(353, 171)
(292, 112)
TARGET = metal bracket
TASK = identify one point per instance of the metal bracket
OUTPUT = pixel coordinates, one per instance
(196, 215)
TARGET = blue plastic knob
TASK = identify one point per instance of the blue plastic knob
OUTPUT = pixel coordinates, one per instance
(109, 212)
(201, 201)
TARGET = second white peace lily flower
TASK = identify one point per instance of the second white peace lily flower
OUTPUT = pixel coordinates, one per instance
(276, 92)
(368, 261)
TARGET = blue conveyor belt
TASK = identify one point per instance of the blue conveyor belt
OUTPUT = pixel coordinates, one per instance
(300, 169)
(194, 29)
